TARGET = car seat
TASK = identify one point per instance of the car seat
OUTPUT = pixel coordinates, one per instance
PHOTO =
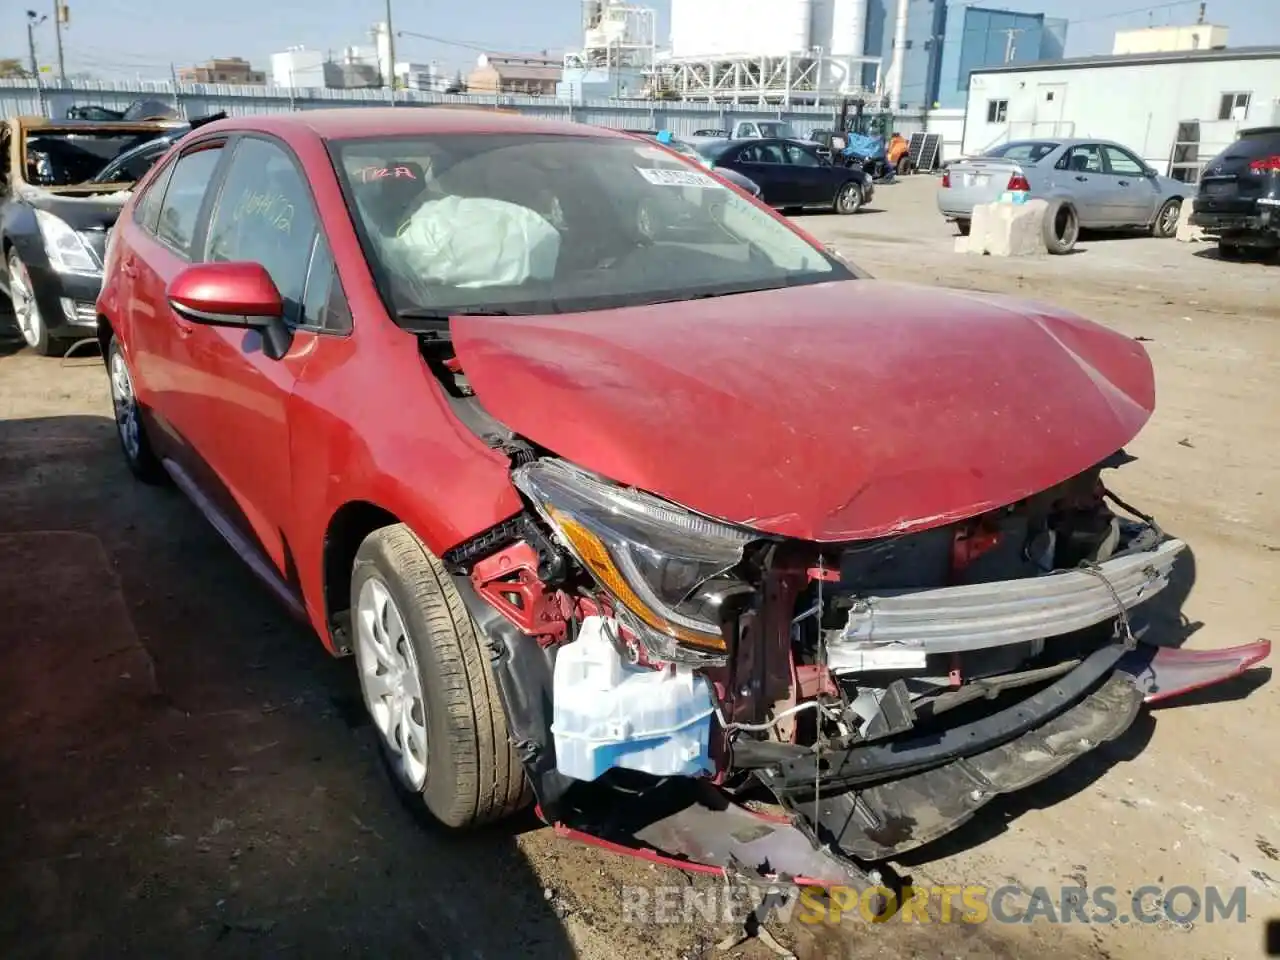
(1080, 162)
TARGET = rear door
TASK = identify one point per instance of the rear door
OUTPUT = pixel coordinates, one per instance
(1234, 181)
(1082, 174)
(163, 248)
(764, 163)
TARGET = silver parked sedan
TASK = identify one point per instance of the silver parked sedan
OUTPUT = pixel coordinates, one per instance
(1104, 183)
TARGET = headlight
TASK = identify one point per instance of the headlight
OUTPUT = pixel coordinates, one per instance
(649, 555)
(68, 253)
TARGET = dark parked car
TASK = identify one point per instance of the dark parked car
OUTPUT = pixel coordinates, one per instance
(54, 219)
(792, 173)
(687, 150)
(615, 519)
(1238, 201)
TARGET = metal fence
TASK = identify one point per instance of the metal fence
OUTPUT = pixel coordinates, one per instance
(26, 97)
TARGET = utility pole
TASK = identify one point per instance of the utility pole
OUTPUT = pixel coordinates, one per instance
(59, 9)
(33, 21)
(1201, 20)
(1011, 43)
(391, 54)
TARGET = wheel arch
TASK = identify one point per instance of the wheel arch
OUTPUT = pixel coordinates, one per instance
(350, 524)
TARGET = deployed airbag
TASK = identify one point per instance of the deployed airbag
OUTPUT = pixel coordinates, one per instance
(475, 242)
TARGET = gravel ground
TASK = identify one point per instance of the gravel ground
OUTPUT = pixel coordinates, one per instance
(183, 772)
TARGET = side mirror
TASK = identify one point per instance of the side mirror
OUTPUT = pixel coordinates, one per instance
(1150, 172)
(239, 295)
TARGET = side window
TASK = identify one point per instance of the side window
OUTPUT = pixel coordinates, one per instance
(265, 215)
(146, 209)
(800, 157)
(324, 305)
(184, 195)
(1123, 162)
(1085, 158)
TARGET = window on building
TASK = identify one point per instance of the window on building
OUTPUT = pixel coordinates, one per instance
(1234, 106)
(997, 111)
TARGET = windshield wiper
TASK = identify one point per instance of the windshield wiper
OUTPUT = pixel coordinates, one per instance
(444, 313)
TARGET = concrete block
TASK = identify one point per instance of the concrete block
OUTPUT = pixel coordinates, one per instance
(1186, 232)
(962, 245)
(1007, 229)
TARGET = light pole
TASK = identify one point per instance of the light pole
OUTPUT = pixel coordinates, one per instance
(33, 20)
(59, 9)
(391, 53)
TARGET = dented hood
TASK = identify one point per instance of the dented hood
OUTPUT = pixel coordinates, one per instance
(837, 411)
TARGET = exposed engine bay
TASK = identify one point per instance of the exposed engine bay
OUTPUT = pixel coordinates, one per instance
(873, 694)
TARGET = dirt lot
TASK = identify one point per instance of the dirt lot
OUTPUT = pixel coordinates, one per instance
(184, 773)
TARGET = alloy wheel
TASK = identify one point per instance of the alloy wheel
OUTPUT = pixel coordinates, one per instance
(1169, 218)
(850, 198)
(390, 681)
(25, 308)
(125, 405)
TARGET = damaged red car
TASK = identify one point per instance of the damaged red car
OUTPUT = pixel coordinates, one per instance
(629, 499)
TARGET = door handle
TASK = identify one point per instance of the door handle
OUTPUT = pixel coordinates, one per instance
(1124, 183)
(1082, 179)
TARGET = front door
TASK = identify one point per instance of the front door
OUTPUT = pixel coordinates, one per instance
(814, 183)
(264, 214)
(765, 163)
(1138, 195)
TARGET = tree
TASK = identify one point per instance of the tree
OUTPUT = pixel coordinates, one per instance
(11, 68)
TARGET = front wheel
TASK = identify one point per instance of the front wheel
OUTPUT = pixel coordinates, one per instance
(26, 309)
(849, 199)
(428, 685)
(1166, 222)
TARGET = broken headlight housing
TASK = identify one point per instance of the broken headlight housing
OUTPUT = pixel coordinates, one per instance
(650, 556)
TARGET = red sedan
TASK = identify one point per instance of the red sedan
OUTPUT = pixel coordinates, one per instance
(626, 495)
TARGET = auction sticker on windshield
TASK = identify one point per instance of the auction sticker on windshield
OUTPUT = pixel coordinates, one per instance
(678, 178)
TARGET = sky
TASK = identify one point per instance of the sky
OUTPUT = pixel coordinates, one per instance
(122, 39)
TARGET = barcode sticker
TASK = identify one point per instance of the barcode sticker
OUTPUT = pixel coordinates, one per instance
(678, 178)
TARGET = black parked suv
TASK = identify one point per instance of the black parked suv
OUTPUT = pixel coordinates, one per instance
(1239, 197)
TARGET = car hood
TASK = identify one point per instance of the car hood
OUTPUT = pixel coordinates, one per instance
(94, 211)
(836, 411)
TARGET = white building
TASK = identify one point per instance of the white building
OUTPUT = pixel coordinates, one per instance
(300, 67)
(1198, 36)
(774, 51)
(1176, 110)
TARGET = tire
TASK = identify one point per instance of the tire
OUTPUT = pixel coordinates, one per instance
(849, 198)
(448, 748)
(1230, 251)
(1061, 227)
(1165, 224)
(904, 167)
(130, 429)
(26, 310)
(962, 227)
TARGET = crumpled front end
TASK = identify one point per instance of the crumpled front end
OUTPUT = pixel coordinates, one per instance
(874, 694)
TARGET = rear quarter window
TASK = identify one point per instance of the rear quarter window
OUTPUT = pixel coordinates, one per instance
(146, 208)
(184, 196)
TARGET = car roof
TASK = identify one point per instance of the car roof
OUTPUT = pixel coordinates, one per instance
(347, 123)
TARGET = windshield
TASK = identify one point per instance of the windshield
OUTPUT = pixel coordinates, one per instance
(1030, 152)
(551, 224)
(778, 131)
(62, 158)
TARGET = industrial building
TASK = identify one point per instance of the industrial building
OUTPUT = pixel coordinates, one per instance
(354, 67)
(619, 50)
(1176, 109)
(914, 53)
